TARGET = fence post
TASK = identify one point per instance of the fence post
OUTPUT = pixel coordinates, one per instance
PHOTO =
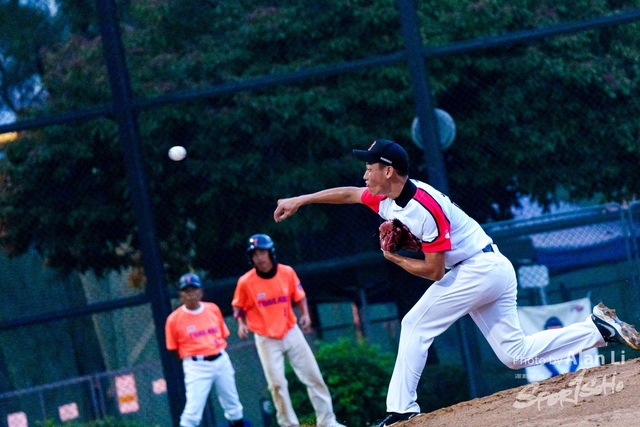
(129, 135)
(434, 162)
(433, 159)
(632, 245)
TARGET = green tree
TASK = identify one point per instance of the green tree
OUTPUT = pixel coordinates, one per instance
(24, 29)
(533, 119)
(357, 375)
(559, 113)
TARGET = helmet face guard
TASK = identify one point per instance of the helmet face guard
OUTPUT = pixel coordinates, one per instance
(261, 241)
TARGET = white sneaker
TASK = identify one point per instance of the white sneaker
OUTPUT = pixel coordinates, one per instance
(614, 329)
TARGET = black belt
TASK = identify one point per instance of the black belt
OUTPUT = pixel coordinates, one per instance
(488, 248)
(207, 358)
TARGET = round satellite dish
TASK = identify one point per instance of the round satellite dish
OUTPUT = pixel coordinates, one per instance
(446, 129)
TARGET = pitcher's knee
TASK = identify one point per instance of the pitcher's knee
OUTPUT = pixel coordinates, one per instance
(408, 321)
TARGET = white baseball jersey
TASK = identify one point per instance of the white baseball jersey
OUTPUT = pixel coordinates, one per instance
(483, 286)
(434, 218)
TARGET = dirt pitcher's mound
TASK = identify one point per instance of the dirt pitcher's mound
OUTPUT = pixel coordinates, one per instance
(603, 396)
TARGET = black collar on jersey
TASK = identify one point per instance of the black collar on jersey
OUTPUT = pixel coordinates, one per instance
(407, 193)
(269, 274)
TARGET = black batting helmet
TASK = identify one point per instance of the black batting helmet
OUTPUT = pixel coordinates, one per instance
(261, 241)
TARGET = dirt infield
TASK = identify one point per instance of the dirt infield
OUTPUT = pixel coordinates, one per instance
(603, 396)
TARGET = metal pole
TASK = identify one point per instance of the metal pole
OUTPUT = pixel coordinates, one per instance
(631, 240)
(42, 405)
(364, 314)
(94, 399)
(128, 128)
(100, 391)
(434, 162)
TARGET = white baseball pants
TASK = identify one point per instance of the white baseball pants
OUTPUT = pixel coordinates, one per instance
(272, 353)
(199, 376)
(485, 287)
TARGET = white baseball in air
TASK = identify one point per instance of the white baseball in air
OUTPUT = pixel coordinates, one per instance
(177, 153)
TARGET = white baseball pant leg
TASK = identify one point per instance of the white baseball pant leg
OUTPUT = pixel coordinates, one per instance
(304, 364)
(199, 376)
(225, 384)
(485, 287)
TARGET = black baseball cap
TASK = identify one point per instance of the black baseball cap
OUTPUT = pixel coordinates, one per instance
(387, 152)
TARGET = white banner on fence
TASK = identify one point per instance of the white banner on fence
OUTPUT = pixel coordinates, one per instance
(538, 318)
(17, 419)
(127, 394)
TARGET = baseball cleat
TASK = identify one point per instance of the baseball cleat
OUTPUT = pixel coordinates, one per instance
(614, 329)
(392, 418)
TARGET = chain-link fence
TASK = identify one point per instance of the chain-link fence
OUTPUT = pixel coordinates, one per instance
(137, 393)
(269, 101)
(559, 257)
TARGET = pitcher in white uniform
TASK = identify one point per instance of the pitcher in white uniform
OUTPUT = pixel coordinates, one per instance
(471, 277)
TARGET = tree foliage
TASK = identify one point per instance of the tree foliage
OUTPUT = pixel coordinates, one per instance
(357, 375)
(20, 63)
(560, 112)
(533, 119)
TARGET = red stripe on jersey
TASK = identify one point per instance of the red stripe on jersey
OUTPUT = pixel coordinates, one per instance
(371, 201)
(442, 242)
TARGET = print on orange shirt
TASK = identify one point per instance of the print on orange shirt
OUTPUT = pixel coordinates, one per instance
(267, 302)
(197, 334)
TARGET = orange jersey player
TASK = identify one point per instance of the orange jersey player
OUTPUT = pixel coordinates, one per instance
(262, 304)
(196, 333)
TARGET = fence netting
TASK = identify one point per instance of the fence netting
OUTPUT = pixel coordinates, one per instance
(545, 158)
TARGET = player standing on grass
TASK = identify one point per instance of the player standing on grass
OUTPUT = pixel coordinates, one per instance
(480, 281)
(262, 304)
(196, 333)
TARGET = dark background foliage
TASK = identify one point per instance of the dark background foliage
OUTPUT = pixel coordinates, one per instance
(553, 120)
(358, 376)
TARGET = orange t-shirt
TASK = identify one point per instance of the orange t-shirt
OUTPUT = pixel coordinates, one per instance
(196, 333)
(267, 302)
